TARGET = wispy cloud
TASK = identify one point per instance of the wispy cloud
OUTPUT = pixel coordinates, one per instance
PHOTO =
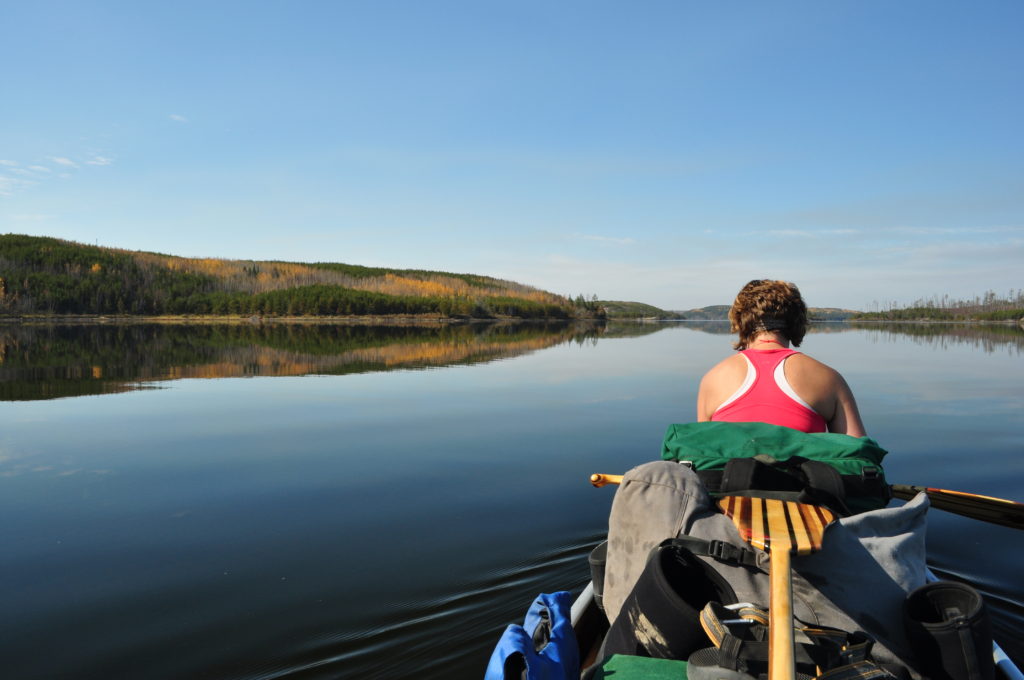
(952, 231)
(16, 177)
(66, 162)
(795, 233)
(606, 239)
(12, 185)
(811, 233)
(178, 118)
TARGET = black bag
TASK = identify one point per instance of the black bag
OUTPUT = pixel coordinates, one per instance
(661, 616)
(949, 628)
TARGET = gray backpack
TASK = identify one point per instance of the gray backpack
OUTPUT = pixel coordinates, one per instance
(857, 583)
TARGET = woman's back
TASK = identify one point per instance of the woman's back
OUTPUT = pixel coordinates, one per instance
(769, 382)
(803, 393)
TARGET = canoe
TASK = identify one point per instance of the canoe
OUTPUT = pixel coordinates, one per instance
(590, 626)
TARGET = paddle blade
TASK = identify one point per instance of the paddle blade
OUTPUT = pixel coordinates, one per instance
(768, 523)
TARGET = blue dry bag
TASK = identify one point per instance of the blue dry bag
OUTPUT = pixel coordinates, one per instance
(544, 646)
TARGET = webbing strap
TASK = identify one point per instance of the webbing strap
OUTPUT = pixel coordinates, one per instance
(714, 615)
(719, 550)
(797, 478)
(859, 670)
(825, 484)
(844, 655)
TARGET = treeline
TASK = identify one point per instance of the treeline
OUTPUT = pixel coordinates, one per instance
(616, 309)
(40, 275)
(43, 275)
(721, 313)
(988, 307)
(322, 300)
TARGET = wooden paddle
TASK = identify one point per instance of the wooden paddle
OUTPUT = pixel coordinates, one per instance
(985, 508)
(600, 480)
(781, 528)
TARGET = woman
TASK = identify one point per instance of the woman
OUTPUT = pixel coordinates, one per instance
(769, 382)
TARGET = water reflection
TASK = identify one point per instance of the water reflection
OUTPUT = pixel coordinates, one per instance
(987, 337)
(45, 361)
(52, 361)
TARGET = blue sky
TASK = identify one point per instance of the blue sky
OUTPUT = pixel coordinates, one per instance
(665, 152)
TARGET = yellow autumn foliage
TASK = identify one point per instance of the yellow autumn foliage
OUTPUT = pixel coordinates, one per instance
(254, 277)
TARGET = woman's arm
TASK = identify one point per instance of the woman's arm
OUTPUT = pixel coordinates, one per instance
(846, 419)
(703, 414)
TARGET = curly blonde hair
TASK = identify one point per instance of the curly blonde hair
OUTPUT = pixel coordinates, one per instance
(765, 305)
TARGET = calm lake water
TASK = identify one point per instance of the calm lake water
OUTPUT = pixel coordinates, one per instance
(337, 501)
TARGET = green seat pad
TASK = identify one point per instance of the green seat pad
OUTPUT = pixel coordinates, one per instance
(622, 667)
(710, 445)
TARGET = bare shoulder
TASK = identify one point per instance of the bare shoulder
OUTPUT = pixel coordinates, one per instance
(726, 369)
(825, 389)
(718, 383)
(803, 368)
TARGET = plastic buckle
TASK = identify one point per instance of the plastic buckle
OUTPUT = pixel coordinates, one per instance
(737, 607)
(722, 551)
(869, 472)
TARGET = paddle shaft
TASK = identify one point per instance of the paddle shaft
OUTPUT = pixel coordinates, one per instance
(600, 480)
(781, 650)
(975, 506)
(780, 527)
(986, 508)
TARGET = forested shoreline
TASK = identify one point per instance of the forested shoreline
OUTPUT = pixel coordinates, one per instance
(48, 276)
(988, 307)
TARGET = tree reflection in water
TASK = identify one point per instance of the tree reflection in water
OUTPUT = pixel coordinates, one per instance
(48, 361)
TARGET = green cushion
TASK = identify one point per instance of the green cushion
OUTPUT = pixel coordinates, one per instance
(622, 667)
(710, 445)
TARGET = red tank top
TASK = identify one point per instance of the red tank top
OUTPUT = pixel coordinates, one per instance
(766, 397)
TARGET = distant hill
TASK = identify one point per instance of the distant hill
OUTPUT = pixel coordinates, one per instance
(830, 313)
(40, 275)
(713, 313)
(616, 309)
(721, 312)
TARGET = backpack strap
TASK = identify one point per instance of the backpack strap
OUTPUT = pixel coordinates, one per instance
(718, 550)
(806, 481)
(819, 482)
(745, 647)
(739, 633)
(859, 670)
(825, 485)
(740, 637)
